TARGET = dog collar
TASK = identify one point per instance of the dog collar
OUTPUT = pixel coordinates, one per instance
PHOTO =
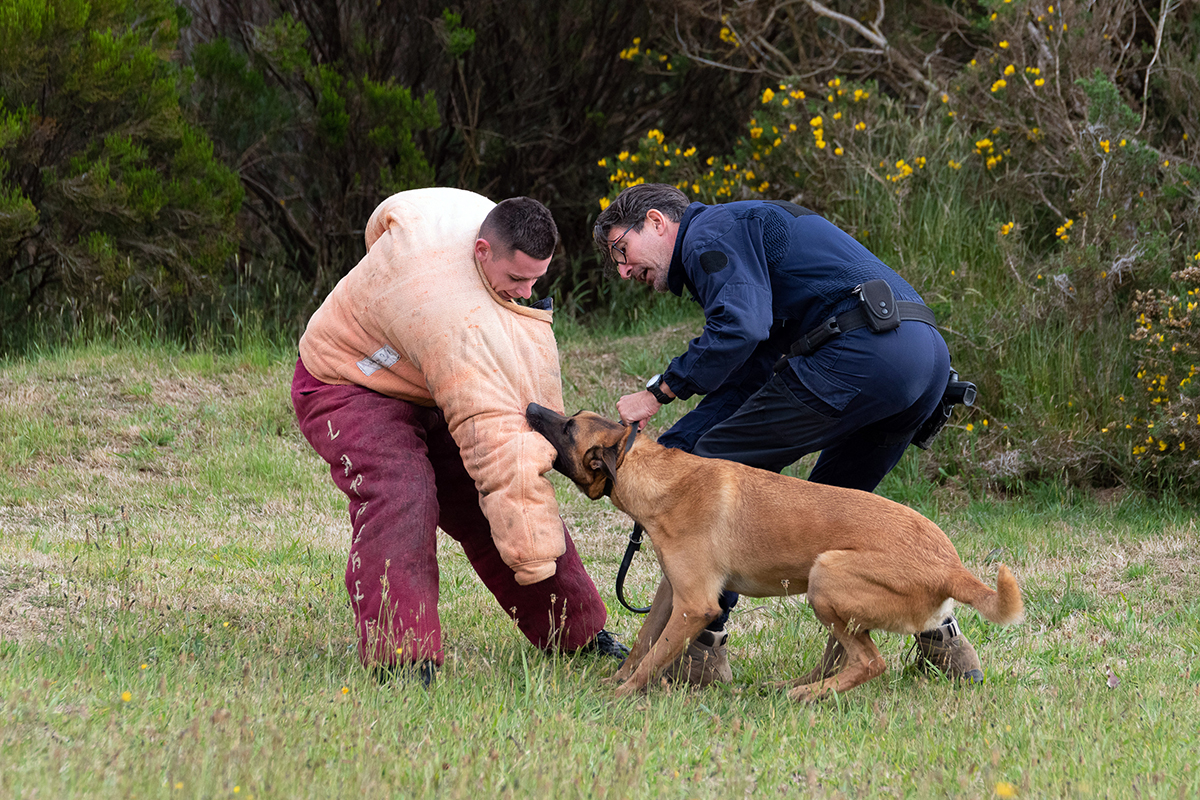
(608, 481)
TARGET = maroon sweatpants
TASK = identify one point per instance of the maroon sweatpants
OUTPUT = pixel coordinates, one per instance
(404, 477)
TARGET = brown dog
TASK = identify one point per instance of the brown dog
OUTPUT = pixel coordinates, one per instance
(864, 562)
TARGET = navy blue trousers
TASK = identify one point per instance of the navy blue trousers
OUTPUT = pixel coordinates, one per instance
(858, 400)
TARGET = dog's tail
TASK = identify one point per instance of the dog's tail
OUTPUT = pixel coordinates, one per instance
(1003, 606)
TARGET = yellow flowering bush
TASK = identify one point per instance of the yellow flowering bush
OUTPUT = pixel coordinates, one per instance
(1161, 430)
(1091, 210)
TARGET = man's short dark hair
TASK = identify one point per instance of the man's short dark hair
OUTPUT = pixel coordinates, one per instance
(520, 223)
(631, 206)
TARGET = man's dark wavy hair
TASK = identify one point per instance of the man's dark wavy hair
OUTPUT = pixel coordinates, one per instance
(520, 223)
(630, 208)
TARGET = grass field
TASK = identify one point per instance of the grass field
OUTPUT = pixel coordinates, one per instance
(173, 624)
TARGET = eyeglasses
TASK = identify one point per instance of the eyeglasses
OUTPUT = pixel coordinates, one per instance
(618, 253)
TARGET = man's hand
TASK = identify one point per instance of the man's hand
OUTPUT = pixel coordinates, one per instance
(638, 407)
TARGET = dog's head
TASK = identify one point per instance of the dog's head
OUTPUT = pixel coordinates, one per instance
(589, 446)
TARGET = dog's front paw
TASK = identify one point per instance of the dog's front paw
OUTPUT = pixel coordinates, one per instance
(629, 689)
(809, 693)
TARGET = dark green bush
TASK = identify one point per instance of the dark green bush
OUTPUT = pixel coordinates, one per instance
(109, 198)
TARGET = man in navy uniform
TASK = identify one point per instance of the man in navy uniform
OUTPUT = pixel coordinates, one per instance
(788, 361)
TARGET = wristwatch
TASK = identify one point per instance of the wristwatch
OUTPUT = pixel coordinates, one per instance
(653, 387)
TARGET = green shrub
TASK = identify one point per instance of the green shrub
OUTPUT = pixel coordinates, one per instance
(109, 198)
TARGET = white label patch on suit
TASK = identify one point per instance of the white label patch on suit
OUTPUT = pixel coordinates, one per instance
(382, 358)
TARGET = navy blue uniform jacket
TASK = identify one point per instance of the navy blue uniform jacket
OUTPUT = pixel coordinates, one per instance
(765, 276)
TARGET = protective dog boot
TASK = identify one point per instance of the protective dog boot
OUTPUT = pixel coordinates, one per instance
(946, 649)
(705, 661)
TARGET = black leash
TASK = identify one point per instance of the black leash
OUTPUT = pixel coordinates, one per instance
(635, 543)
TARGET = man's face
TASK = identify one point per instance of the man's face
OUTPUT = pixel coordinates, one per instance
(645, 255)
(512, 277)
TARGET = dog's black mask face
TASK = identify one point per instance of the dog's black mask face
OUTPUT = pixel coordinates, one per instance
(587, 445)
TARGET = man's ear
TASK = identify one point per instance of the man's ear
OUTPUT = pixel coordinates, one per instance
(482, 250)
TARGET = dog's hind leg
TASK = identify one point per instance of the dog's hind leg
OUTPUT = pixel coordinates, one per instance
(837, 592)
(832, 660)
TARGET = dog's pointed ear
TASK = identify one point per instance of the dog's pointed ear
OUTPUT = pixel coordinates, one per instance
(605, 459)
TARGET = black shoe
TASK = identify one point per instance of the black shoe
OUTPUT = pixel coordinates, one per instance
(423, 672)
(605, 644)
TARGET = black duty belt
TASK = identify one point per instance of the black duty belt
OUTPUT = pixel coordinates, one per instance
(877, 311)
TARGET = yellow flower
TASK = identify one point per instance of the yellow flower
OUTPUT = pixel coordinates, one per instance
(955, 164)
(126, 697)
(691, 151)
(1006, 229)
(623, 155)
(837, 115)
(998, 85)
(862, 126)
(1004, 45)
(604, 203)
(1010, 69)
(945, 97)
(970, 427)
(345, 690)
(837, 151)
(1123, 141)
(1040, 82)
(1005, 790)
(1104, 145)
(768, 94)
(816, 122)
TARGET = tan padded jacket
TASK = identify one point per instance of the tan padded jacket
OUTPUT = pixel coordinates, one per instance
(416, 319)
